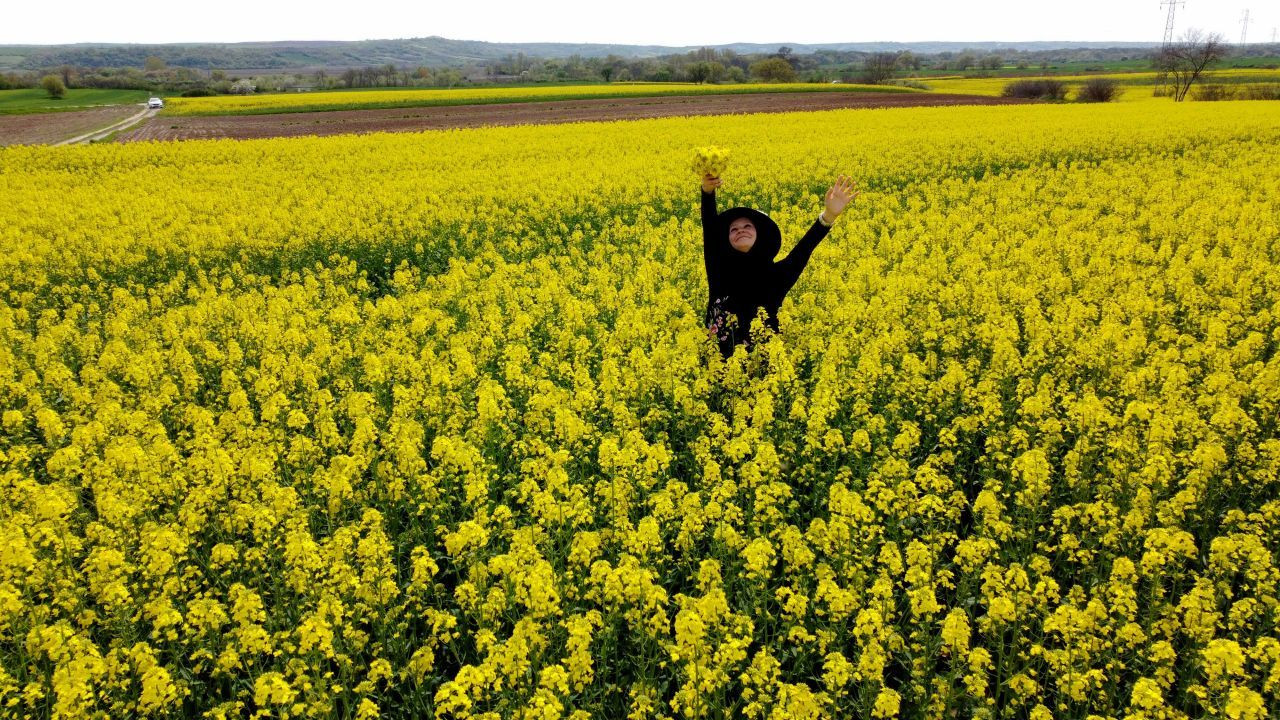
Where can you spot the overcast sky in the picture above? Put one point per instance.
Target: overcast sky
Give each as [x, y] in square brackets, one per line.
[649, 22]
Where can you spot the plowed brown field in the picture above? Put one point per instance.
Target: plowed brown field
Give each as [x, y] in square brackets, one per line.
[52, 127]
[429, 118]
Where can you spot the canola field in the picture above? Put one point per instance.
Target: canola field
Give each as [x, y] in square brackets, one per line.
[270, 103]
[1134, 86]
[426, 425]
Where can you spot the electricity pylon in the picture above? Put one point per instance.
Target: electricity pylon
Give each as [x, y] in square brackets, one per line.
[1168, 23]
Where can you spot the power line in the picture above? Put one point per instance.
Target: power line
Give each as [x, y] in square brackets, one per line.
[1168, 23]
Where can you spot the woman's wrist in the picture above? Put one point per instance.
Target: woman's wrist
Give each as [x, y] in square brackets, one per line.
[822, 218]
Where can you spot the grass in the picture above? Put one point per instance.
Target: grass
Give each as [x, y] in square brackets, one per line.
[109, 138]
[20, 102]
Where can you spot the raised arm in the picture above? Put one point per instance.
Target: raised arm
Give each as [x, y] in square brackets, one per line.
[709, 185]
[790, 267]
[709, 215]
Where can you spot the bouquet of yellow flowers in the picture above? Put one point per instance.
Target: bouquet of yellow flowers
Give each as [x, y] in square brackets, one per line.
[710, 160]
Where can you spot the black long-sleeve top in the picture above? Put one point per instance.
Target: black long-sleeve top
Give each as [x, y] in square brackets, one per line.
[737, 285]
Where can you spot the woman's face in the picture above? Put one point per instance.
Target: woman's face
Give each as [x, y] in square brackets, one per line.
[742, 234]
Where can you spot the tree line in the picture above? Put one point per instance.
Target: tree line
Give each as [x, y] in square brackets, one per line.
[704, 65]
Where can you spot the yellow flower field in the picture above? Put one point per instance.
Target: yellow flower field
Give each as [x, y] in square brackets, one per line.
[1134, 86]
[425, 425]
[366, 99]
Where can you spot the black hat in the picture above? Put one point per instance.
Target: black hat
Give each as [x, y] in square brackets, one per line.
[768, 237]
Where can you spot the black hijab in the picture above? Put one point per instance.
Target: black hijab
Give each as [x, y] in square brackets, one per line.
[748, 275]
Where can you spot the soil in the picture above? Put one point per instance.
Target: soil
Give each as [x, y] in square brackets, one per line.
[37, 128]
[561, 111]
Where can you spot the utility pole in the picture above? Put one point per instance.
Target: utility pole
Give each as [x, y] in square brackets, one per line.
[1168, 23]
[1244, 26]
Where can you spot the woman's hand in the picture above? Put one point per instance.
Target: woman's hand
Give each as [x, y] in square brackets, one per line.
[710, 183]
[840, 195]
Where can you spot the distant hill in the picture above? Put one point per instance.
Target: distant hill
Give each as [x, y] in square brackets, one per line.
[430, 51]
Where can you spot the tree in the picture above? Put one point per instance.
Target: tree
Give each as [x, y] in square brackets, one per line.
[774, 70]
[612, 67]
[153, 63]
[447, 77]
[704, 54]
[701, 72]
[732, 59]
[1181, 63]
[878, 67]
[53, 85]
[1098, 89]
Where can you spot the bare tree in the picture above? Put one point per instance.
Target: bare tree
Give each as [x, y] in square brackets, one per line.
[878, 67]
[1181, 63]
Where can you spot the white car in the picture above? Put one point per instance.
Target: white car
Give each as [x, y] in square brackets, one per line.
[155, 102]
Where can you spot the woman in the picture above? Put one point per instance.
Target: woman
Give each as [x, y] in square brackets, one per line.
[738, 246]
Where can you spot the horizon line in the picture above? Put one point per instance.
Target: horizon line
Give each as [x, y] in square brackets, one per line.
[1115, 43]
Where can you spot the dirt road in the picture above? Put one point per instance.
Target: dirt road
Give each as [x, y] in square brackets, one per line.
[99, 134]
